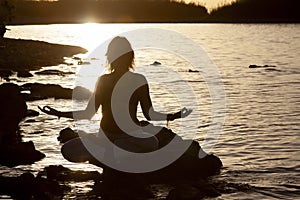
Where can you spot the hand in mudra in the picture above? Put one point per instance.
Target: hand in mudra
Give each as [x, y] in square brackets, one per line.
[50, 111]
[184, 112]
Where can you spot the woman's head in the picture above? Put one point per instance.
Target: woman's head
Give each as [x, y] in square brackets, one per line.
[120, 55]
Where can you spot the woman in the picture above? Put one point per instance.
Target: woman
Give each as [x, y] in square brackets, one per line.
[118, 93]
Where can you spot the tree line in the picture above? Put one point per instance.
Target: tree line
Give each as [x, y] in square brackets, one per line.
[126, 11]
[80, 11]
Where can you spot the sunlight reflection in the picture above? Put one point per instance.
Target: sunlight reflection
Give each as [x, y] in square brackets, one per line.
[92, 35]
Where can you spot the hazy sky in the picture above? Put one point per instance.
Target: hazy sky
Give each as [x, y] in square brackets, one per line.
[211, 3]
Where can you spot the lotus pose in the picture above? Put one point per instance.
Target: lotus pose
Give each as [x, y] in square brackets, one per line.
[118, 93]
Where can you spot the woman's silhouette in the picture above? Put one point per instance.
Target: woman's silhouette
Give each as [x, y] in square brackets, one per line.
[118, 93]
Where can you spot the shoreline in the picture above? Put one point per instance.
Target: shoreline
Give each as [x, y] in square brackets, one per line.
[26, 55]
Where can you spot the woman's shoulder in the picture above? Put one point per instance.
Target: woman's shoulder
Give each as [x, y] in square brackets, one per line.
[138, 75]
[139, 78]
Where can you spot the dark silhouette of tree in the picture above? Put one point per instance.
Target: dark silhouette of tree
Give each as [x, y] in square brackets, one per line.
[78, 11]
[259, 11]
[5, 15]
[6, 9]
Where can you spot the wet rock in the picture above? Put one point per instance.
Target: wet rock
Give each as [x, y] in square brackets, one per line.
[189, 163]
[13, 109]
[81, 93]
[185, 193]
[262, 66]
[155, 63]
[120, 189]
[193, 71]
[60, 173]
[23, 153]
[53, 72]
[24, 74]
[38, 91]
[32, 113]
[27, 186]
[83, 62]
[193, 190]
[66, 135]
[32, 55]
[30, 121]
[5, 73]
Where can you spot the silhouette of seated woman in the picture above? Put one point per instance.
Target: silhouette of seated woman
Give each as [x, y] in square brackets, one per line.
[118, 93]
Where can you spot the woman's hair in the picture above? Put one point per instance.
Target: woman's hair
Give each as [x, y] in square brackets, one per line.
[120, 55]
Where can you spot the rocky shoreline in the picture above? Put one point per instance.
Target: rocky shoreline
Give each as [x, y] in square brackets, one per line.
[26, 55]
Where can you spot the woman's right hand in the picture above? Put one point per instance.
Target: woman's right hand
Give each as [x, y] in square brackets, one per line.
[50, 111]
[184, 112]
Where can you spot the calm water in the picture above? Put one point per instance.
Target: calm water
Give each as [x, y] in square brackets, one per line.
[259, 143]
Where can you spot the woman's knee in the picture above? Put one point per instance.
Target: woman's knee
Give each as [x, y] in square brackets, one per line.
[74, 151]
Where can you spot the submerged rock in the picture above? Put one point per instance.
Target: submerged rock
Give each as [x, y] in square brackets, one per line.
[193, 71]
[262, 66]
[155, 63]
[53, 72]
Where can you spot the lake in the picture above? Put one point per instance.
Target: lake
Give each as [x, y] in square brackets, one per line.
[259, 141]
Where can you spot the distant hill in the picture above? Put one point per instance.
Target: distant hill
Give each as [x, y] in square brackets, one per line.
[154, 11]
[118, 11]
[258, 11]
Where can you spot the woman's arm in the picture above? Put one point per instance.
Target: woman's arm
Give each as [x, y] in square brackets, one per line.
[153, 115]
[88, 113]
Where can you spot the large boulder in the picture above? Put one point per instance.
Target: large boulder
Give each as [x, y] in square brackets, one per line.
[22, 153]
[13, 109]
[39, 91]
[189, 165]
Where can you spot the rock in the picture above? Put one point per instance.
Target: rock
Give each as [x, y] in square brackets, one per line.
[5, 73]
[185, 193]
[259, 66]
[27, 186]
[32, 55]
[30, 121]
[156, 63]
[66, 135]
[83, 62]
[60, 173]
[38, 91]
[189, 164]
[193, 190]
[32, 113]
[13, 109]
[24, 74]
[81, 93]
[23, 153]
[53, 72]
[193, 71]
